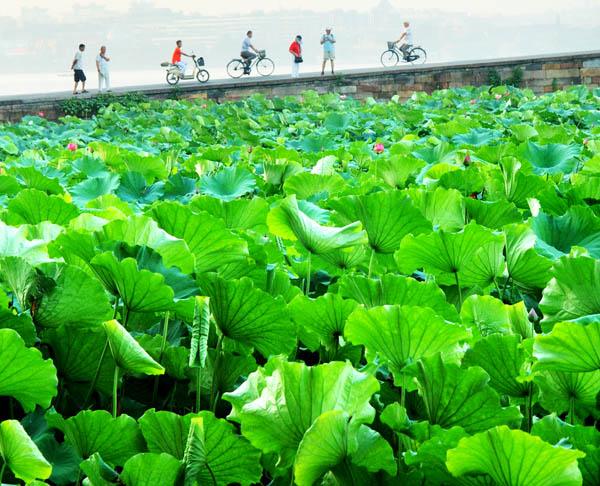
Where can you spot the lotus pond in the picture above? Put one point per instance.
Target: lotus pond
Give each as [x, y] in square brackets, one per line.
[311, 291]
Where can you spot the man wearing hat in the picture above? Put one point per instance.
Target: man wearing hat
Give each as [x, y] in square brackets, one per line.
[328, 41]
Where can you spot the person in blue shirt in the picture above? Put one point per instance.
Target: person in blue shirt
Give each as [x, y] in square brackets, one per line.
[247, 56]
[328, 41]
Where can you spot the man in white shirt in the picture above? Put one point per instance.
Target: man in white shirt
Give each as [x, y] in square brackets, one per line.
[406, 40]
[77, 68]
[103, 72]
[247, 56]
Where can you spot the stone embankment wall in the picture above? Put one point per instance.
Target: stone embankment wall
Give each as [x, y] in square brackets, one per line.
[542, 74]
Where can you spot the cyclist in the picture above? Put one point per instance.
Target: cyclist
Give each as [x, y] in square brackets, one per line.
[407, 40]
[177, 53]
[247, 56]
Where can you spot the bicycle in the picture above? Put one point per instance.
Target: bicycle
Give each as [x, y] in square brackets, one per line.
[392, 56]
[237, 67]
[174, 73]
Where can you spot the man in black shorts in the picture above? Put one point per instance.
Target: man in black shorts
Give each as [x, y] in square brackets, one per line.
[77, 67]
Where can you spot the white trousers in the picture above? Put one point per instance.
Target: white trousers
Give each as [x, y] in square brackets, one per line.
[103, 78]
[182, 65]
[295, 68]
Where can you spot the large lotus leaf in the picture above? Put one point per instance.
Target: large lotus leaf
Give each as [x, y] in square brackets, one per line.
[76, 353]
[397, 169]
[502, 359]
[486, 315]
[133, 189]
[523, 263]
[21, 454]
[151, 167]
[477, 137]
[571, 346]
[94, 187]
[139, 290]
[279, 403]
[14, 243]
[200, 331]
[305, 185]
[278, 171]
[127, 353]
[552, 158]
[321, 321]
[559, 391]
[486, 265]
[250, 316]
[441, 253]
[288, 221]
[515, 458]
[331, 440]
[24, 374]
[241, 214]
[22, 323]
[149, 469]
[466, 181]
[228, 184]
[401, 335]
[231, 458]
[518, 186]
[115, 439]
[77, 299]
[21, 278]
[346, 258]
[34, 179]
[387, 217]
[396, 290]
[463, 397]
[557, 234]
[492, 214]
[109, 207]
[141, 230]
[32, 207]
[75, 247]
[443, 207]
[63, 458]
[211, 243]
[573, 291]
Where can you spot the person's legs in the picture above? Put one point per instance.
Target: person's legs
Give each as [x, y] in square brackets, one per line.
[295, 66]
[83, 80]
[76, 79]
[107, 80]
[100, 81]
[404, 49]
[332, 66]
[323, 67]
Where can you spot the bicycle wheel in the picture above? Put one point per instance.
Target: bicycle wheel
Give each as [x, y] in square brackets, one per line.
[265, 66]
[172, 78]
[235, 68]
[202, 76]
[417, 56]
[390, 58]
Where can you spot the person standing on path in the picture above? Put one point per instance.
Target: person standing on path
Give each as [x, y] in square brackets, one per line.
[406, 40]
[296, 52]
[328, 41]
[103, 72]
[77, 68]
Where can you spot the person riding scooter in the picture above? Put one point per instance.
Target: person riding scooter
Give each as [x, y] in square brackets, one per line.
[177, 53]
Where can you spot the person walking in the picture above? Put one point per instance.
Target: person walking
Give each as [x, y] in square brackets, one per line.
[406, 40]
[328, 41]
[103, 72]
[296, 52]
[77, 67]
[247, 56]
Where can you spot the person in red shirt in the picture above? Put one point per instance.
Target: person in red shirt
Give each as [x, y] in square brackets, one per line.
[296, 52]
[176, 59]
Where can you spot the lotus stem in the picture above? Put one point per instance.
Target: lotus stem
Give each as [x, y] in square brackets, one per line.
[78, 477]
[371, 262]
[212, 475]
[504, 289]
[198, 389]
[403, 392]
[115, 387]
[308, 276]
[217, 363]
[572, 411]
[2, 471]
[460, 301]
[160, 356]
[530, 408]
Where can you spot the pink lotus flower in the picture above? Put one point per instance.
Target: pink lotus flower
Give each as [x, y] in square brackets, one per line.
[72, 146]
[250, 149]
[585, 141]
[473, 102]
[342, 97]
[498, 97]
[203, 106]
[378, 148]
[467, 160]
[41, 113]
[234, 96]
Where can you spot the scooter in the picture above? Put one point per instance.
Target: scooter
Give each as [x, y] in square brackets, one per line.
[174, 73]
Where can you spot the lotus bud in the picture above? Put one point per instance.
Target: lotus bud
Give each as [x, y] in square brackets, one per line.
[72, 146]
[342, 97]
[585, 141]
[250, 149]
[467, 160]
[498, 96]
[473, 102]
[378, 148]
[203, 106]
[533, 317]
[41, 113]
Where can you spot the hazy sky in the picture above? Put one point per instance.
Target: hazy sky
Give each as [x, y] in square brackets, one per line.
[500, 7]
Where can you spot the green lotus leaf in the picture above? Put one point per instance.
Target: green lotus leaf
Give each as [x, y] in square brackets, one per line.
[460, 397]
[486, 314]
[523, 132]
[401, 335]
[14, 243]
[321, 321]
[21, 454]
[22, 323]
[141, 230]
[63, 458]
[486, 265]
[250, 316]
[492, 214]
[228, 184]
[241, 214]
[98, 472]
[75, 247]
[200, 330]
[149, 469]
[387, 217]
[515, 458]
[32, 207]
[331, 440]
[77, 299]
[32, 178]
[94, 187]
[133, 188]
[573, 291]
[115, 439]
[21, 278]
[139, 290]
[346, 258]
[478, 137]
[502, 359]
[211, 243]
[278, 171]
[552, 158]
[305, 185]
[570, 347]
[151, 167]
[579, 226]
[24, 374]
[445, 208]
[279, 403]
[516, 185]
[397, 169]
[561, 391]
[396, 290]
[523, 263]
[127, 353]
[109, 207]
